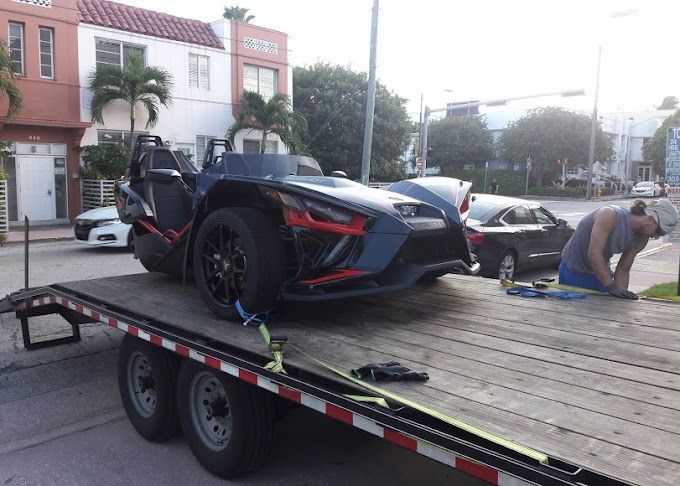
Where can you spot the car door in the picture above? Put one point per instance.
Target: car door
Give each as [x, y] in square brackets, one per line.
[527, 234]
[552, 236]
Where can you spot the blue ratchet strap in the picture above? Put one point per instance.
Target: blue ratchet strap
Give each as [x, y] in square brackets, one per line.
[275, 344]
[524, 292]
[557, 294]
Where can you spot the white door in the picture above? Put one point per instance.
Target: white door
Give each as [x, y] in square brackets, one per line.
[36, 188]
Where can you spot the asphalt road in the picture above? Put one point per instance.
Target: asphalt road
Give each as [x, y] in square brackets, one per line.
[61, 420]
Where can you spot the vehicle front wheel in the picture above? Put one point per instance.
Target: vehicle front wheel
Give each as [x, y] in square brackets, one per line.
[507, 264]
[228, 423]
[238, 256]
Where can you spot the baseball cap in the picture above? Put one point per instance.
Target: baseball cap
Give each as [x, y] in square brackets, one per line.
[664, 213]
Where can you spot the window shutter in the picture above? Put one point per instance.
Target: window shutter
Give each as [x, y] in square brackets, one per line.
[193, 70]
[203, 73]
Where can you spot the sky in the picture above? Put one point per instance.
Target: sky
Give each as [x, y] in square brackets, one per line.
[451, 50]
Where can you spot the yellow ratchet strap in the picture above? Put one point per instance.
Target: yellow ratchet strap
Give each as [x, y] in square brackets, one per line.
[276, 348]
[526, 451]
[368, 399]
[538, 284]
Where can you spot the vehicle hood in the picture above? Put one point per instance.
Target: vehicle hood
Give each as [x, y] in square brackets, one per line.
[353, 192]
[100, 214]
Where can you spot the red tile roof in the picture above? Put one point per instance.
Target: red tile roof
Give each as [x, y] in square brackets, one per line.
[141, 21]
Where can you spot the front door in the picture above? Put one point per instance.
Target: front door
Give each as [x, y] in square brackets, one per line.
[36, 188]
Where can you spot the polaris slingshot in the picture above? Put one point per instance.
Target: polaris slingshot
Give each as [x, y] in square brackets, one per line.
[260, 228]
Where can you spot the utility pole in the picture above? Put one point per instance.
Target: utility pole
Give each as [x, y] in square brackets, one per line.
[526, 190]
[593, 129]
[423, 143]
[370, 102]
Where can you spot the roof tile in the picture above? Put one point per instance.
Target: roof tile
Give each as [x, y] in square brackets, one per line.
[141, 21]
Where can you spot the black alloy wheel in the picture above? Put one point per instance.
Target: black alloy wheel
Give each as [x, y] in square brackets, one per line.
[238, 256]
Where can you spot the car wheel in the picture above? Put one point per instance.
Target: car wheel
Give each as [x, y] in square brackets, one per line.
[131, 241]
[238, 256]
[147, 377]
[228, 423]
[507, 264]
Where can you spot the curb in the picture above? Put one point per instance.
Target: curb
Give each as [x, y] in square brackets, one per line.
[47, 239]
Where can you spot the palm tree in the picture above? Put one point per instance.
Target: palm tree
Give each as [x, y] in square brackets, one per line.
[8, 87]
[237, 13]
[134, 83]
[272, 116]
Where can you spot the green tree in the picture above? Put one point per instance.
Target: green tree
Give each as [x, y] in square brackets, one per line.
[550, 134]
[272, 116]
[8, 86]
[104, 161]
[458, 141]
[237, 13]
[333, 100]
[134, 83]
[654, 151]
[668, 103]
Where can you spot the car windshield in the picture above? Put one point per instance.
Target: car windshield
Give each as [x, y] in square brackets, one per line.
[480, 209]
[644, 184]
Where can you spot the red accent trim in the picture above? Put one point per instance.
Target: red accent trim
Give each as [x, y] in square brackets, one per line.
[339, 413]
[477, 470]
[292, 395]
[338, 275]
[133, 330]
[112, 322]
[183, 350]
[149, 227]
[53, 299]
[305, 220]
[247, 376]
[212, 362]
[79, 309]
[157, 340]
[96, 316]
[64, 302]
[400, 439]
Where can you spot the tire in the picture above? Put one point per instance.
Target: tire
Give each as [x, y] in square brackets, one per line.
[255, 272]
[227, 423]
[507, 265]
[131, 241]
[147, 382]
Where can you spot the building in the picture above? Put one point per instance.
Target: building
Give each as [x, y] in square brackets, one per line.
[44, 169]
[211, 65]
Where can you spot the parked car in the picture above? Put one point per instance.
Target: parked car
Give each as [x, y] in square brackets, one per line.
[255, 229]
[509, 234]
[102, 227]
[646, 189]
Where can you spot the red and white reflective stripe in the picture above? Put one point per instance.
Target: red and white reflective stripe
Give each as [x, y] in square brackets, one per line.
[424, 448]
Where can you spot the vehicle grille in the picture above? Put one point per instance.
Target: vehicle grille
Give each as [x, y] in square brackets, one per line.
[430, 249]
[82, 229]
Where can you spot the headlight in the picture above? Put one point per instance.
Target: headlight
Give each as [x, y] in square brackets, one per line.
[106, 222]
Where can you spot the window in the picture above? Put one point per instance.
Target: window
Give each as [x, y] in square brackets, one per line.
[112, 137]
[201, 145]
[16, 48]
[116, 53]
[518, 215]
[644, 173]
[543, 217]
[253, 147]
[46, 53]
[199, 71]
[261, 80]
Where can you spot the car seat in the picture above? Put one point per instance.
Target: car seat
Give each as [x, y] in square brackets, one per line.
[171, 203]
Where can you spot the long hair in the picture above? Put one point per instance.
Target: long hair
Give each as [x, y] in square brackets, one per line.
[638, 207]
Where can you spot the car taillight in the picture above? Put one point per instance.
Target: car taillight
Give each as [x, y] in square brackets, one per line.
[476, 239]
[465, 208]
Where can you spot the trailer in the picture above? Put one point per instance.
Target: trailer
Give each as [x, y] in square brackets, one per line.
[521, 391]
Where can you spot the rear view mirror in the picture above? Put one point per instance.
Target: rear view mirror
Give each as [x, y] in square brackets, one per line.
[163, 176]
[339, 173]
[561, 222]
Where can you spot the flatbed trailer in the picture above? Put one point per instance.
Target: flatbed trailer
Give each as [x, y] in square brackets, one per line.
[592, 384]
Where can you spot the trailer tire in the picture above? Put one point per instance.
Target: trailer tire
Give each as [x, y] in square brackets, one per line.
[147, 381]
[227, 423]
[238, 255]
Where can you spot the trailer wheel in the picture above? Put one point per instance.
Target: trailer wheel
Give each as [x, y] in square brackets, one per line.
[147, 377]
[238, 255]
[227, 423]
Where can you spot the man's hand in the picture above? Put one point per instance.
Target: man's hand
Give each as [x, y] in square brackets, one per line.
[619, 292]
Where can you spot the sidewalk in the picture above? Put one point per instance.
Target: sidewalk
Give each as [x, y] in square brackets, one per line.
[40, 233]
[655, 267]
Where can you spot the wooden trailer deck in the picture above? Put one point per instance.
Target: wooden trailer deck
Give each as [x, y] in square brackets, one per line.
[593, 382]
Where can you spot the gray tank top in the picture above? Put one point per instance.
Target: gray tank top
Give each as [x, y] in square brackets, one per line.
[575, 253]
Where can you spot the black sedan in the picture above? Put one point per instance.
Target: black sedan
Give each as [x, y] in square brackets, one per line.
[509, 234]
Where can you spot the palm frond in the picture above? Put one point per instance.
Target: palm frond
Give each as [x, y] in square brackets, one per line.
[8, 85]
[102, 98]
[151, 106]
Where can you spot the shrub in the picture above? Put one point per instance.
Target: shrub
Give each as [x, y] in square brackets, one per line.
[3, 238]
[104, 161]
[510, 182]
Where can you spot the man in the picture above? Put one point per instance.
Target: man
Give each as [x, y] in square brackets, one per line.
[611, 230]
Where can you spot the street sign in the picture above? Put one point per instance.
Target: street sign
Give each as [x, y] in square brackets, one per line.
[419, 163]
[673, 156]
[673, 194]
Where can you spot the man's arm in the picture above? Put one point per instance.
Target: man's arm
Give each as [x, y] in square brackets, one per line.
[604, 222]
[622, 274]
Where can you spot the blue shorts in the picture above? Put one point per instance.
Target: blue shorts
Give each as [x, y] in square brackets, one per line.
[583, 280]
